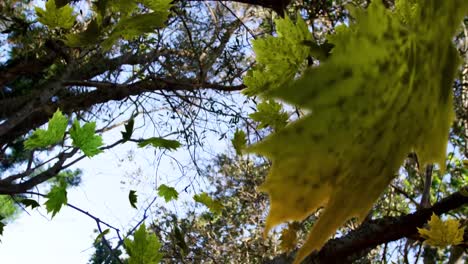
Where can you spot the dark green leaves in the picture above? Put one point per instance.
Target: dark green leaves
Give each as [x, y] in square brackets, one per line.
[214, 206]
[144, 249]
[29, 202]
[127, 134]
[85, 139]
[43, 138]
[132, 197]
[56, 198]
[158, 142]
[168, 193]
[239, 141]
[2, 225]
[54, 17]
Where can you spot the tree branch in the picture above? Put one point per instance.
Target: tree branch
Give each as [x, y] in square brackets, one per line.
[376, 232]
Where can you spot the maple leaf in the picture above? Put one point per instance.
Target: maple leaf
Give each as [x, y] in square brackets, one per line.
[239, 142]
[144, 249]
[377, 97]
[56, 17]
[442, 233]
[269, 114]
[43, 138]
[168, 193]
[85, 138]
[57, 197]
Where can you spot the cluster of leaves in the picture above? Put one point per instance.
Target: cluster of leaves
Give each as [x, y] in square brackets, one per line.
[132, 22]
[84, 138]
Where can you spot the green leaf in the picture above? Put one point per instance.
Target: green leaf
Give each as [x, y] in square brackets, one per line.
[132, 197]
[168, 193]
[101, 235]
[366, 96]
[56, 198]
[134, 26]
[239, 142]
[54, 17]
[29, 202]
[277, 67]
[158, 142]
[214, 206]
[54, 134]
[85, 139]
[144, 249]
[127, 134]
[270, 114]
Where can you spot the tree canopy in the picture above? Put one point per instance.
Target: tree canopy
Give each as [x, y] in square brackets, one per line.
[358, 110]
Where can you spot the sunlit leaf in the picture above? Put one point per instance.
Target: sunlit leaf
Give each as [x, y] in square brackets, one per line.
[442, 233]
[239, 142]
[30, 202]
[85, 138]
[54, 17]
[56, 198]
[54, 134]
[362, 103]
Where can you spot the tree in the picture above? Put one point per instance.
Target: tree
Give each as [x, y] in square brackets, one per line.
[85, 68]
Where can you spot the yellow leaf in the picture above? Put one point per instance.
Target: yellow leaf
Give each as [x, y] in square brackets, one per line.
[289, 237]
[442, 233]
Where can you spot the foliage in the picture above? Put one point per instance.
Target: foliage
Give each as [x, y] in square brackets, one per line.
[270, 114]
[442, 233]
[56, 198]
[85, 139]
[276, 67]
[132, 197]
[55, 131]
[55, 17]
[355, 109]
[168, 193]
[158, 142]
[144, 249]
[214, 206]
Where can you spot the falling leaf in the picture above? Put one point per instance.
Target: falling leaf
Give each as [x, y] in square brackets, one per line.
[132, 197]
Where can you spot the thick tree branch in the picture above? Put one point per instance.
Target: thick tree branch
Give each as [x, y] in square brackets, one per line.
[105, 92]
[376, 232]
